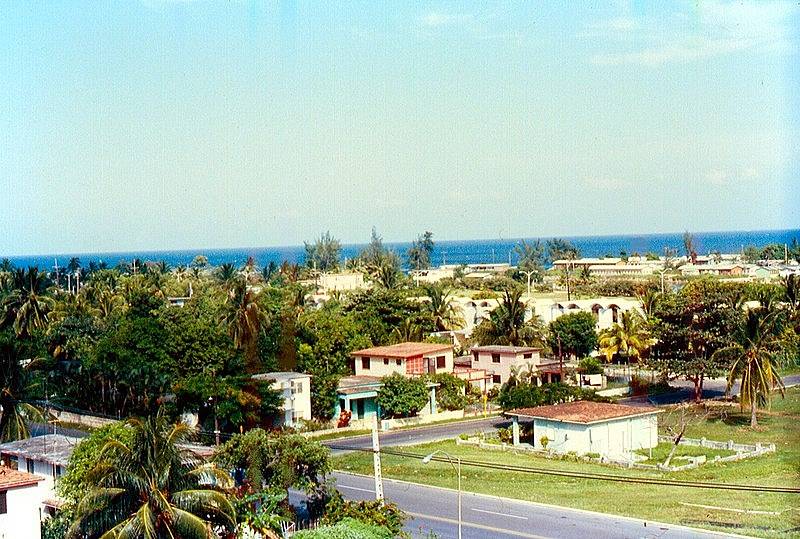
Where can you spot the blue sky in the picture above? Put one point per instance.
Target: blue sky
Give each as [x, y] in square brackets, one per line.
[188, 124]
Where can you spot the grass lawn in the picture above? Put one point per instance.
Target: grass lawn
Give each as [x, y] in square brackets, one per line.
[781, 426]
[660, 452]
[337, 435]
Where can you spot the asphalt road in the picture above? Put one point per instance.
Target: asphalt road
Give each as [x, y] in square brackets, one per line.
[714, 387]
[419, 435]
[435, 509]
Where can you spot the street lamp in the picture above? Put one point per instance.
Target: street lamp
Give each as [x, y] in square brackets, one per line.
[529, 275]
[457, 468]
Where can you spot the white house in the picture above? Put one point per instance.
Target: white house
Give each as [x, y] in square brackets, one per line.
[19, 505]
[406, 358]
[296, 390]
[44, 456]
[590, 427]
[498, 360]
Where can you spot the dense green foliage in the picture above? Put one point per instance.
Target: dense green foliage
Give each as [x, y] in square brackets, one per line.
[347, 528]
[527, 395]
[275, 461]
[450, 391]
[149, 486]
[373, 512]
[573, 334]
[400, 396]
[74, 484]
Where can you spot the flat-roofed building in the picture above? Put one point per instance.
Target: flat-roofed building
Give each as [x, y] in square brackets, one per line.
[498, 360]
[295, 387]
[19, 504]
[407, 358]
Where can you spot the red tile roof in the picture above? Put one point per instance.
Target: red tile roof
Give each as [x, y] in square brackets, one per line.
[404, 350]
[583, 412]
[14, 479]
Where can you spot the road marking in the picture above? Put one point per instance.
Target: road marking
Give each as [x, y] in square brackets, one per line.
[477, 526]
[499, 514]
[356, 488]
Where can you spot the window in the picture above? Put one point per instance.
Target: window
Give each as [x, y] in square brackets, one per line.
[399, 362]
[3, 503]
[527, 356]
[59, 470]
[495, 358]
[297, 388]
[496, 379]
[29, 465]
[365, 363]
[440, 362]
[476, 357]
[386, 361]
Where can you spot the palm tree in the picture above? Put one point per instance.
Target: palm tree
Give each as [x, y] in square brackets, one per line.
[754, 356]
[407, 331]
[792, 293]
[507, 325]
[151, 488]
[26, 307]
[243, 318]
[227, 275]
[441, 310]
[14, 385]
[630, 339]
[649, 301]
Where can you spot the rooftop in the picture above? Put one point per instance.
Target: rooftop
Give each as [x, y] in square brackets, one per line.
[404, 350]
[280, 376]
[358, 384]
[585, 412]
[504, 349]
[14, 478]
[51, 448]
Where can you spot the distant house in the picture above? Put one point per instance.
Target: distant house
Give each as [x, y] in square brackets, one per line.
[589, 427]
[407, 358]
[44, 456]
[498, 360]
[19, 504]
[358, 395]
[296, 390]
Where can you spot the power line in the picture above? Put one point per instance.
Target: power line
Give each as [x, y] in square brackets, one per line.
[590, 476]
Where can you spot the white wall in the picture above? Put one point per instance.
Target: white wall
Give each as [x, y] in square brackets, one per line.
[22, 521]
[378, 367]
[46, 488]
[609, 438]
[296, 399]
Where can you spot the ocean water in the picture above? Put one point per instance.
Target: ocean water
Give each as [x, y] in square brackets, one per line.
[445, 252]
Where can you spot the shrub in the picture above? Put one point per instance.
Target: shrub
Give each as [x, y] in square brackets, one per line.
[402, 397]
[348, 528]
[372, 512]
[505, 435]
[591, 365]
[544, 440]
[450, 393]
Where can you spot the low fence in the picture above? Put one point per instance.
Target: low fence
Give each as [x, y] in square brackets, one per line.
[743, 451]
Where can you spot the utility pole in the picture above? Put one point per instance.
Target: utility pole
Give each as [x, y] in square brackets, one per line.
[376, 460]
[529, 274]
[560, 360]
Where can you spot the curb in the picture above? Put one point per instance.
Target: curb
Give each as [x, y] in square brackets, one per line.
[560, 507]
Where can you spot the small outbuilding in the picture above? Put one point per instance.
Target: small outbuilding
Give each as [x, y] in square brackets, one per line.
[589, 427]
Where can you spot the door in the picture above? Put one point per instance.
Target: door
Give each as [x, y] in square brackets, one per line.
[360, 408]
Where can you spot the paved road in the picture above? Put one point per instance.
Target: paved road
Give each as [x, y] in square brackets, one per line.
[420, 435]
[714, 387]
[435, 509]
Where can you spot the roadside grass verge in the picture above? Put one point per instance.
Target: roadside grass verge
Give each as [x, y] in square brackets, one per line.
[779, 514]
[661, 451]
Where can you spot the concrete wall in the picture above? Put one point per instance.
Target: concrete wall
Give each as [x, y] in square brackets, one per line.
[46, 488]
[22, 520]
[378, 367]
[609, 438]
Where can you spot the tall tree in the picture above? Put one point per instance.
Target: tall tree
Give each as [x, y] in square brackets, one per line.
[243, 317]
[754, 359]
[148, 487]
[532, 258]
[573, 334]
[507, 325]
[629, 339]
[444, 315]
[28, 304]
[421, 251]
[324, 254]
[16, 383]
[690, 246]
[561, 249]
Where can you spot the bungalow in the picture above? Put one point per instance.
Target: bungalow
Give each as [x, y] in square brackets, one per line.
[46, 457]
[589, 427]
[19, 504]
[407, 358]
[295, 388]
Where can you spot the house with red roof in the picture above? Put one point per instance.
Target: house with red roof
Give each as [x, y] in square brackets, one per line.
[19, 504]
[611, 430]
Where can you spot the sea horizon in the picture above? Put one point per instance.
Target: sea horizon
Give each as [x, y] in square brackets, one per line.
[464, 251]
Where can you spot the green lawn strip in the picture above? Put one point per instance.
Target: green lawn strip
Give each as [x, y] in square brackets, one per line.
[653, 502]
[660, 452]
[338, 435]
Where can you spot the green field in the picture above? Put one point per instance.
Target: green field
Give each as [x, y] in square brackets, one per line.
[663, 503]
